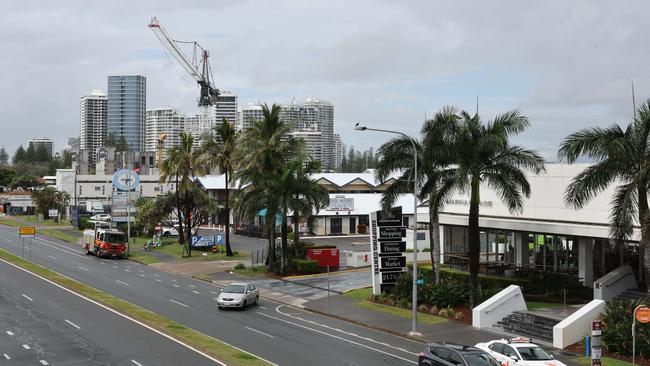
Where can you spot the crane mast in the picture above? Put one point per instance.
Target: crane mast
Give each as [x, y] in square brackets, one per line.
[208, 93]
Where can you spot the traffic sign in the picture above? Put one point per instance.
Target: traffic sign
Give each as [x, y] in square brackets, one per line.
[643, 315]
[27, 231]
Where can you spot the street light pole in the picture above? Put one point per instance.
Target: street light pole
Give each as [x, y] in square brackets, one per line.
[414, 300]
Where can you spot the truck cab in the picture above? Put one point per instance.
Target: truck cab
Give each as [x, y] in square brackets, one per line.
[104, 241]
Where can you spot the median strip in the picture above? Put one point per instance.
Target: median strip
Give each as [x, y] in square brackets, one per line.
[202, 343]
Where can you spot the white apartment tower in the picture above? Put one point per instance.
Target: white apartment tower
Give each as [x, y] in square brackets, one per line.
[248, 115]
[338, 151]
[92, 131]
[159, 122]
[226, 108]
[313, 143]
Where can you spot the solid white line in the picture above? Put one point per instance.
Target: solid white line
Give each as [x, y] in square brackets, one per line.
[337, 337]
[26, 346]
[136, 363]
[137, 321]
[44, 363]
[257, 331]
[28, 298]
[179, 303]
[196, 292]
[83, 268]
[49, 256]
[6, 356]
[71, 323]
[10, 333]
[124, 283]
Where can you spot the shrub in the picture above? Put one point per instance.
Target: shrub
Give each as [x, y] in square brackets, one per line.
[426, 250]
[307, 266]
[447, 313]
[617, 322]
[448, 294]
[240, 266]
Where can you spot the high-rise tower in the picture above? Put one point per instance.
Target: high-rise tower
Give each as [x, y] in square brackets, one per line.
[92, 129]
[127, 102]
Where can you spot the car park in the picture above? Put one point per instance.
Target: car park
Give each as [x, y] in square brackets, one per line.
[453, 354]
[238, 295]
[518, 351]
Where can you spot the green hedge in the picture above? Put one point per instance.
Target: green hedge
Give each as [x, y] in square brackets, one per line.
[617, 322]
[306, 266]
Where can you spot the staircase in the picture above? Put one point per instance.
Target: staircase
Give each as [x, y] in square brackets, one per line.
[528, 324]
[632, 294]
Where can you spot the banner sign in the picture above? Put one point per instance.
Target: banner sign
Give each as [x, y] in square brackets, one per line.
[202, 241]
[53, 212]
[27, 231]
[387, 249]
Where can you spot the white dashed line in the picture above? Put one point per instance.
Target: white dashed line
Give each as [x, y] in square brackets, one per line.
[257, 331]
[124, 283]
[176, 286]
[179, 303]
[82, 268]
[10, 333]
[25, 346]
[141, 271]
[141, 275]
[136, 363]
[262, 307]
[73, 324]
[126, 270]
[114, 267]
[44, 363]
[51, 257]
[216, 293]
[6, 356]
[192, 286]
[28, 298]
[196, 292]
[173, 280]
[157, 275]
[158, 279]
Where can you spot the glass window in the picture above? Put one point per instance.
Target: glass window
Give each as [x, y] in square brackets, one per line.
[508, 351]
[455, 359]
[496, 347]
[234, 289]
[480, 359]
[533, 353]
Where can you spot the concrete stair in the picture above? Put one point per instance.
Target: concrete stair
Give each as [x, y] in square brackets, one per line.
[528, 324]
[632, 294]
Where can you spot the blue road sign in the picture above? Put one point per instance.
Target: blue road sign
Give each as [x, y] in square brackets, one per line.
[220, 238]
[202, 241]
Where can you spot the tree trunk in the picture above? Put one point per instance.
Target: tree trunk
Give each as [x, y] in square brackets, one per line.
[188, 224]
[433, 244]
[283, 249]
[296, 232]
[181, 236]
[644, 247]
[474, 241]
[229, 252]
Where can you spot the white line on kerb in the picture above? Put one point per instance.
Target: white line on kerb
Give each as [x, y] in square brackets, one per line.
[179, 303]
[136, 363]
[44, 363]
[6, 356]
[28, 298]
[10, 333]
[25, 346]
[124, 283]
[262, 333]
[71, 323]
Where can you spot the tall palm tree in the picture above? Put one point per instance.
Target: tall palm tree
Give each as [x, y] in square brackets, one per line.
[218, 152]
[185, 163]
[622, 157]
[482, 154]
[396, 157]
[263, 152]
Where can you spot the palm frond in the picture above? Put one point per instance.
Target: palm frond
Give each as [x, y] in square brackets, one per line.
[624, 209]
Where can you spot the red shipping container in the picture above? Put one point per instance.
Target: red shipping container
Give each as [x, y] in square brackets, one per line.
[325, 257]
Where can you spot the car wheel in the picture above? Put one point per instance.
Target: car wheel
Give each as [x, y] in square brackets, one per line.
[243, 306]
[257, 299]
[167, 234]
[220, 307]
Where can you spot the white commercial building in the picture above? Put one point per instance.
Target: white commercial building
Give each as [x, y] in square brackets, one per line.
[226, 108]
[92, 129]
[338, 151]
[249, 115]
[163, 124]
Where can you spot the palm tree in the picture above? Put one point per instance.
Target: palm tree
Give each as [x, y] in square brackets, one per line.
[61, 200]
[218, 152]
[396, 157]
[184, 163]
[622, 158]
[263, 152]
[481, 153]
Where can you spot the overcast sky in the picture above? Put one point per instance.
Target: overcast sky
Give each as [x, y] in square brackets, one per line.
[566, 65]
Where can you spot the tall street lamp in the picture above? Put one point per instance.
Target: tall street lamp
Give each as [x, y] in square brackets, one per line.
[414, 301]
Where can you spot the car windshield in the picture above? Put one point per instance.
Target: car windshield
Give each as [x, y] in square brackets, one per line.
[533, 353]
[480, 359]
[234, 289]
[115, 238]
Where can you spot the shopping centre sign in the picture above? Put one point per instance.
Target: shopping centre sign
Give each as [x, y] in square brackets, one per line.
[387, 249]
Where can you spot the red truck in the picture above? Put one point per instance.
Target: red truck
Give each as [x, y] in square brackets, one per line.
[104, 241]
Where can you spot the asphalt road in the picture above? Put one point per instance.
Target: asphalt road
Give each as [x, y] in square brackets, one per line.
[278, 333]
[42, 324]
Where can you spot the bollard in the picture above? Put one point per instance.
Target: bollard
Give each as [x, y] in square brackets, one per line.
[587, 346]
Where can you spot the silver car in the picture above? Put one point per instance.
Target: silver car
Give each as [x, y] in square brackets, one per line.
[238, 295]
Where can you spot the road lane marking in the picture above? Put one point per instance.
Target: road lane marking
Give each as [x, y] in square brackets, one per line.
[141, 275]
[82, 268]
[114, 267]
[141, 271]
[179, 303]
[25, 346]
[6, 356]
[10, 333]
[136, 363]
[192, 286]
[137, 321]
[157, 275]
[173, 280]
[158, 279]
[44, 363]
[49, 256]
[124, 283]
[257, 331]
[126, 270]
[28, 298]
[216, 293]
[262, 307]
[176, 286]
[71, 323]
[196, 292]
[337, 337]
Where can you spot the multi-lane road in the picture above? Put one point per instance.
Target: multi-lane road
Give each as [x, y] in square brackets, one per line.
[280, 334]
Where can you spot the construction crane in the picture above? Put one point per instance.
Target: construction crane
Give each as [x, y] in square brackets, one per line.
[198, 67]
[159, 145]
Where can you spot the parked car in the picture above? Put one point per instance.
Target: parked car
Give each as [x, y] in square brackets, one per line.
[453, 354]
[238, 295]
[167, 231]
[518, 351]
[101, 217]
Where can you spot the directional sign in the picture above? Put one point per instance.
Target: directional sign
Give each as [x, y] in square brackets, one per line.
[391, 233]
[392, 262]
[392, 247]
[27, 231]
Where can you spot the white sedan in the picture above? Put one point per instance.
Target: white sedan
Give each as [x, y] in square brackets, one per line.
[518, 352]
[238, 295]
[101, 217]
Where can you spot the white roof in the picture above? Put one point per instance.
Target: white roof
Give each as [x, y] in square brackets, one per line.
[216, 182]
[338, 179]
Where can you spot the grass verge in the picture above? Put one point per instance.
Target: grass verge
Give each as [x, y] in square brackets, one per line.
[257, 271]
[200, 341]
[60, 234]
[536, 305]
[10, 222]
[606, 361]
[172, 248]
[361, 296]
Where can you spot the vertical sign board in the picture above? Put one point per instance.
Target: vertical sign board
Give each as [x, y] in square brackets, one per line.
[387, 249]
[595, 343]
